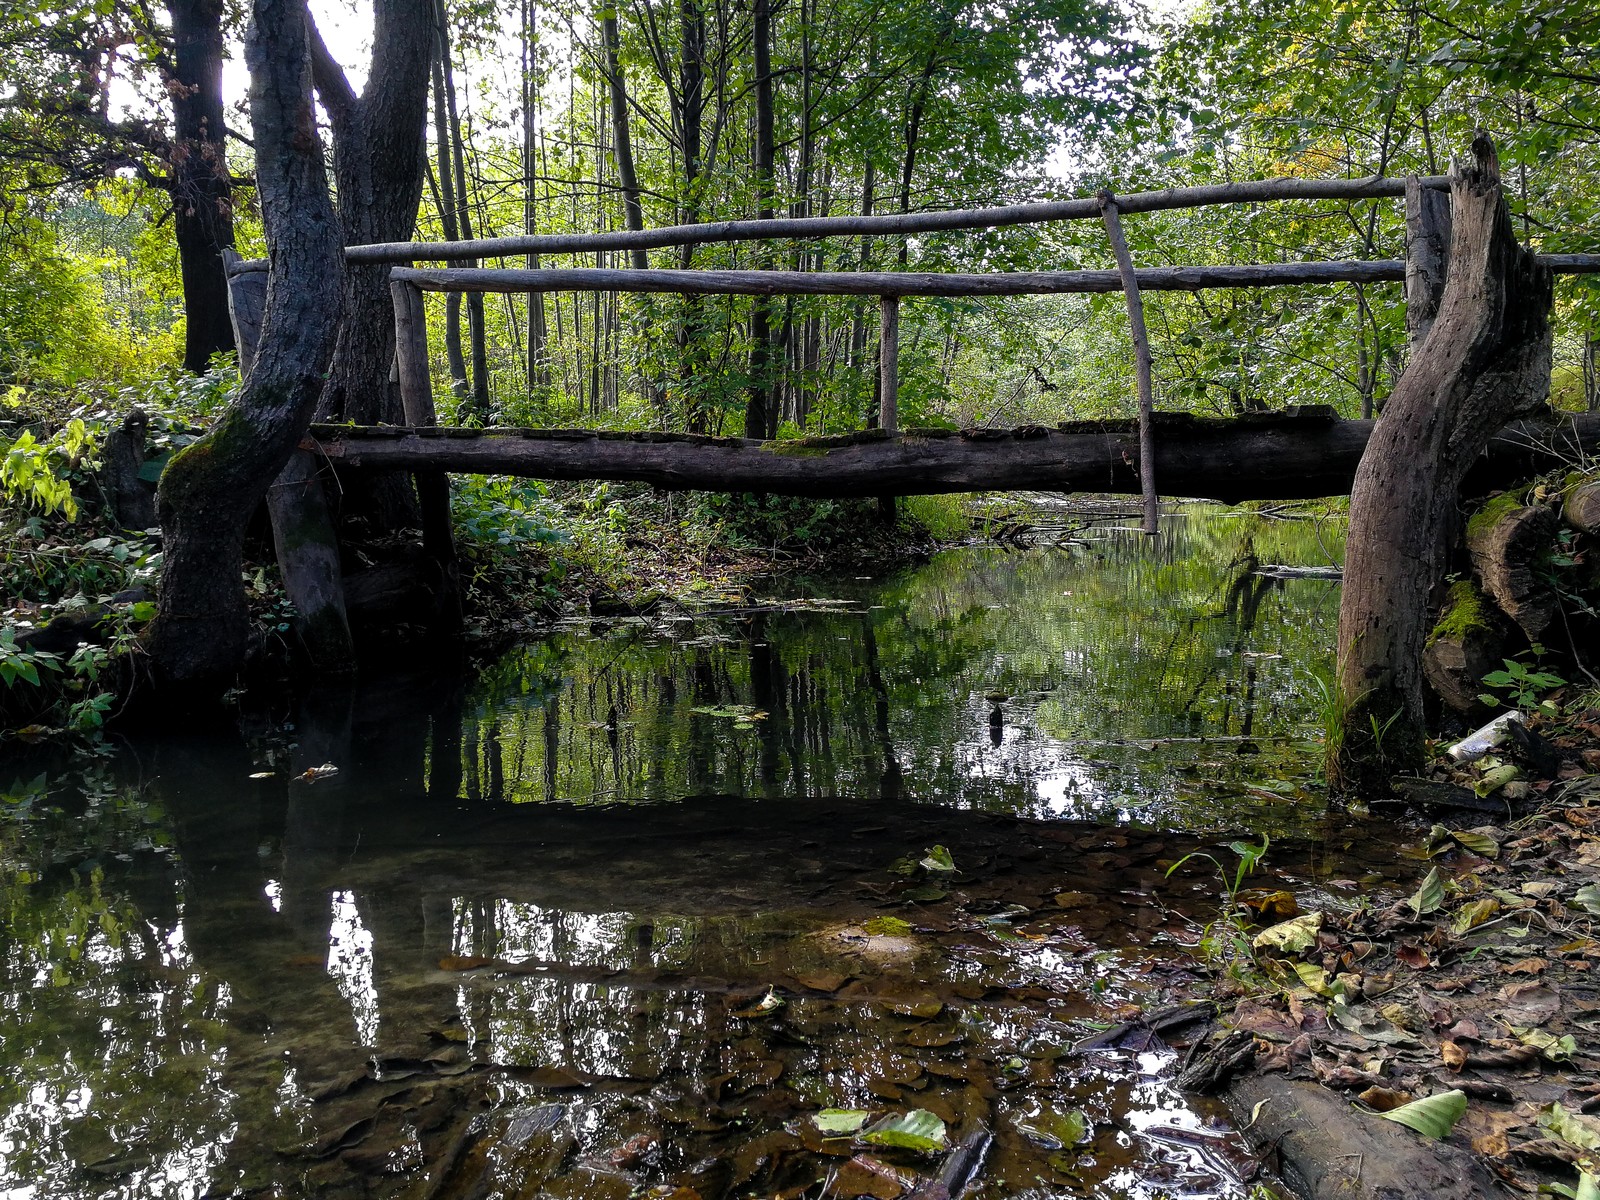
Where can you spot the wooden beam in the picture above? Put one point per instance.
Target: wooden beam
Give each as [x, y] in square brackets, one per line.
[1143, 368]
[889, 364]
[888, 224]
[891, 283]
[1276, 456]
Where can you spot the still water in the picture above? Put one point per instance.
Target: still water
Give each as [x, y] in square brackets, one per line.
[618, 913]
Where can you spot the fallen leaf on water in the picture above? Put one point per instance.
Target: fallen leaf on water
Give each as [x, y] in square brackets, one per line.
[1269, 905]
[313, 774]
[1073, 899]
[918, 1129]
[263, 774]
[836, 1121]
[555, 1078]
[864, 1175]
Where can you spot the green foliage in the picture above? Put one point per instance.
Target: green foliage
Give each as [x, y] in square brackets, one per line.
[37, 473]
[785, 522]
[1226, 939]
[1521, 685]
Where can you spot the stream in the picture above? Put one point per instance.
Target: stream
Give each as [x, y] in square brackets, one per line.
[618, 913]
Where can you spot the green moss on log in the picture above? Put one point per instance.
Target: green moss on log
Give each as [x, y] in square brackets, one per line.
[1466, 609]
[1491, 514]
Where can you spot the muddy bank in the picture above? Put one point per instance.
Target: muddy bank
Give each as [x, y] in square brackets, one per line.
[1477, 986]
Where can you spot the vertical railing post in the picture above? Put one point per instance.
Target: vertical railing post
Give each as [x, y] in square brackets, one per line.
[416, 399]
[1141, 352]
[1427, 256]
[889, 364]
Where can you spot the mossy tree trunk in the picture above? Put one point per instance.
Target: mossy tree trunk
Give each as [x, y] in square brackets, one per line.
[209, 490]
[1485, 360]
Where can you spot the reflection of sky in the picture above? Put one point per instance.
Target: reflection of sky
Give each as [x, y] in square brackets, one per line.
[350, 964]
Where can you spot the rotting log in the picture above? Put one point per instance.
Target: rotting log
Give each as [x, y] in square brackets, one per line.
[891, 283]
[1508, 543]
[1581, 506]
[1326, 1150]
[1485, 361]
[1299, 453]
[1465, 645]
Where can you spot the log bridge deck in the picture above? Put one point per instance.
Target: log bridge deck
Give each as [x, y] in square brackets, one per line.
[1294, 454]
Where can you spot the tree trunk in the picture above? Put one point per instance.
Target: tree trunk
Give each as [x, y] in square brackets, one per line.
[760, 412]
[210, 490]
[1485, 360]
[202, 204]
[378, 152]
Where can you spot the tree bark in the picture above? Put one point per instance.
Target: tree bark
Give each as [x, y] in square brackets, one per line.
[1485, 360]
[378, 152]
[202, 200]
[760, 415]
[210, 489]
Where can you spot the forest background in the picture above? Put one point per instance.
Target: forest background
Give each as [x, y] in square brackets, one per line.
[125, 166]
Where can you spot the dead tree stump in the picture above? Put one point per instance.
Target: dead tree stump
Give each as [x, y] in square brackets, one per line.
[1581, 507]
[1485, 360]
[1466, 644]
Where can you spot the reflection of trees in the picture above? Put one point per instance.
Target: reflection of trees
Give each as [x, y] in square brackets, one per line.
[1124, 638]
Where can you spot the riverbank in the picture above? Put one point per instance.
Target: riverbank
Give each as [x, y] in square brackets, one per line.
[1477, 989]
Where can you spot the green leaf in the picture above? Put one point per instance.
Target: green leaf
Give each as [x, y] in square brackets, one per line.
[837, 1121]
[1291, 936]
[1429, 896]
[1577, 1131]
[938, 859]
[1480, 844]
[1556, 1049]
[1432, 1116]
[1588, 898]
[1054, 1131]
[918, 1129]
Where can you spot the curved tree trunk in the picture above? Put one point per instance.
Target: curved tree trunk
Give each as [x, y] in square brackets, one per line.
[1485, 360]
[210, 489]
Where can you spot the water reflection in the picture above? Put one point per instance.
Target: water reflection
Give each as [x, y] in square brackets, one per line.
[988, 679]
[464, 967]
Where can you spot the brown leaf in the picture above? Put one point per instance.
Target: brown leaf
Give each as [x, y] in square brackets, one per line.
[1454, 1056]
[1384, 1099]
[1527, 966]
[864, 1175]
[1413, 956]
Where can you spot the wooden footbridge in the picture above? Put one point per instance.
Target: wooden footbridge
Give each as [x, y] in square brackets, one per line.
[1298, 453]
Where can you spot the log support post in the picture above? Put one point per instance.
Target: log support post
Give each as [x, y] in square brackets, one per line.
[1427, 256]
[433, 487]
[305, 537]
[889, 364]
[1485, 360]
[1142, 364]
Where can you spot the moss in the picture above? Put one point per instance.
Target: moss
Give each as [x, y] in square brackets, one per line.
[1490, 515]
[1465, 609]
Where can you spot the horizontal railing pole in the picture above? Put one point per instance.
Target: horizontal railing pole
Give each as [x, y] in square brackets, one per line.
[890, 283]
[888, 224]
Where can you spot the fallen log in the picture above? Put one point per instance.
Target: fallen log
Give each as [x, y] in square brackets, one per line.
[1297, 454]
